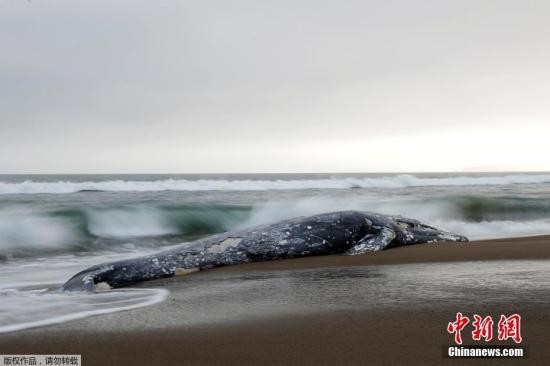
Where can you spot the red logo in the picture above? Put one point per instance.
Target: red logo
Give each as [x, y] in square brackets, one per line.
[483, 328]
[508, 327]
[457, 326]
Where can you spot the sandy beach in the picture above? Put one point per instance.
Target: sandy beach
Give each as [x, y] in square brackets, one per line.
[310, 148]
[378, 332]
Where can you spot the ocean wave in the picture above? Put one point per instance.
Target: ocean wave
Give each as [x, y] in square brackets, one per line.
[37, 308]
[495, 229]
[390, 181]
[23, 230]
[26, 232]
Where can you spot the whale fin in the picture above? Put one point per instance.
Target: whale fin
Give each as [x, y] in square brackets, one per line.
[372, 242]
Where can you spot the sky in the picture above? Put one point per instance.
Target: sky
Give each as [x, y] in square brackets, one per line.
[274, 86]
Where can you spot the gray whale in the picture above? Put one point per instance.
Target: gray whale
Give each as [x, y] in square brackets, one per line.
[347, 232]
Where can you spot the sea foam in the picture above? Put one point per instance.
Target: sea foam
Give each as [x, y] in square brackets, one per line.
[390, 181]
[36, 308]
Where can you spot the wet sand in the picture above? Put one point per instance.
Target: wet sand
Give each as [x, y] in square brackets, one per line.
[404, 333]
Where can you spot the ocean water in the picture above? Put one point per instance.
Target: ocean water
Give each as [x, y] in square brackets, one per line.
[56, 225]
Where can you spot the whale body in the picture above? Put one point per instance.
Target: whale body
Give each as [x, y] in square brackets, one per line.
[346, 232]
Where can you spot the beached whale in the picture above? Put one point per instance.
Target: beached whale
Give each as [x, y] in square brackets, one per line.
[347, 232]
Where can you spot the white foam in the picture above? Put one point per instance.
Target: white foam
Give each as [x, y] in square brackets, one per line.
[390, 181]
[129, 222]
[495, 229]
[22, 229]
[29, 309]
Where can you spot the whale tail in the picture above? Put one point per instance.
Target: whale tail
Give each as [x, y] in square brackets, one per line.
[118, 274]
[92, 279]
[82, 281]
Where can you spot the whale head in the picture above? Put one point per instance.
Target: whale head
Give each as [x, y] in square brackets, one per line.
[415, 232]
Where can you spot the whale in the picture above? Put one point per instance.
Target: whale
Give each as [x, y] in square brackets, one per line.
[343, 232]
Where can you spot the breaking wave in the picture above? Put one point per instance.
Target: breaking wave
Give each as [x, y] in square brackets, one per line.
[390, 181]
[33, 232]
[37, 308]
[24, 232]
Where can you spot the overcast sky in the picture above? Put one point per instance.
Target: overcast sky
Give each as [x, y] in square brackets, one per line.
[273, 86]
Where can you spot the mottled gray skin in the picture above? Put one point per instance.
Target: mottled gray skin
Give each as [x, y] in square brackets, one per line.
[348, 232]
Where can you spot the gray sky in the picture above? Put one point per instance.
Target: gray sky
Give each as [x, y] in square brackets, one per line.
[273, 86]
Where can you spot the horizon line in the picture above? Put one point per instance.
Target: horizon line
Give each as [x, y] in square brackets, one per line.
[302, 173]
